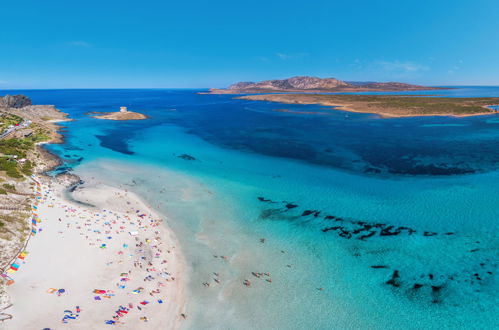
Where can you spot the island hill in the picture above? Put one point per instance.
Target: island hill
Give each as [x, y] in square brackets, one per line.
[306, 84]
[312, 90]
[123, 114]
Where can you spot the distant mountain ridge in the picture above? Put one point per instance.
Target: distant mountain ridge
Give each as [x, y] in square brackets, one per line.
[315, 84]
[298, 82]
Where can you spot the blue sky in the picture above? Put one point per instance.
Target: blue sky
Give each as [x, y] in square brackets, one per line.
[153, 43]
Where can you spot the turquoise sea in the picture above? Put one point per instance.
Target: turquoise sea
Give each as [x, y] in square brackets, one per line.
[361, 222]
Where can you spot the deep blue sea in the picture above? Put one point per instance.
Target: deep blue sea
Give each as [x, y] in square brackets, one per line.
[362, 222]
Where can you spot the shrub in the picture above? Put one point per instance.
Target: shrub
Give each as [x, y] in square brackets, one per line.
[8, 186]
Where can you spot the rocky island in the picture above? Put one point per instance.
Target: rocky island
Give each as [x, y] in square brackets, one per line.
[325, 91]
[306, 84]
[123, 114]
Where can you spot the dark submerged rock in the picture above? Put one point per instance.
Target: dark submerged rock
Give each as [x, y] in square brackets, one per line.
[363, 237]
[393, 281]
[435, 292]
[330, 228]
[186, 157]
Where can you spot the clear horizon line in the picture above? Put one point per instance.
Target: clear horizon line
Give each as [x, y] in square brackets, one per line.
[201, 88]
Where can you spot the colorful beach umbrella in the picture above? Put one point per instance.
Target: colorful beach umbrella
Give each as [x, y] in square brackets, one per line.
[23, 255]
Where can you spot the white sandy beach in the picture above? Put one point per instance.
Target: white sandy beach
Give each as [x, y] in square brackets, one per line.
[120, 246]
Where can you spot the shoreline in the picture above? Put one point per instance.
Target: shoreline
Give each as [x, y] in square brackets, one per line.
[163, 278]
[221, 91]
[155, 274]
[45, 118]
[119, 116]
[348, 106]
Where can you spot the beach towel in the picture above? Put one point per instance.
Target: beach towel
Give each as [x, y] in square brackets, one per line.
[23, 255]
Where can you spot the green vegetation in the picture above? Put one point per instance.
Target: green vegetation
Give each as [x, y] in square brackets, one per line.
[7, 119]
[40, 133]
[15, 220]
[9, 187]
[422, 105]
[18, 148]
[390, 105]
[10, 167]
[27, 168]
[17, 162]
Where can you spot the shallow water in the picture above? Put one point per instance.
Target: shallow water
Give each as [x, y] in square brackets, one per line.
[426, 187]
